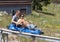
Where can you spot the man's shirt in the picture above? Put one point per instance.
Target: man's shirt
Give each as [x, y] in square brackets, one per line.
[15, 18]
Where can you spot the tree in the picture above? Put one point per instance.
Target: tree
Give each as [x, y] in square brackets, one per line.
[46, 2]
[37, 5]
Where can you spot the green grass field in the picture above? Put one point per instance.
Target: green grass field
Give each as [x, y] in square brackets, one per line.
[48, 20]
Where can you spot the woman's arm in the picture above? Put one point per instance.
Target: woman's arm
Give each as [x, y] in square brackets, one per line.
[19, 22]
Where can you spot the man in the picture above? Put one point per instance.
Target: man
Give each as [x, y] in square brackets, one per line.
[15, 17]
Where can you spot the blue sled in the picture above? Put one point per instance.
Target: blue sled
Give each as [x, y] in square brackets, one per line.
[24, 29]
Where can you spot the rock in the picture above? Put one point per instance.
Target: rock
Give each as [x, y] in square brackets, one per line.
[5, 13]
[1, 14]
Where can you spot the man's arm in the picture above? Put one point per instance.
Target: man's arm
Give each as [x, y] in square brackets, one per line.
[14, 21]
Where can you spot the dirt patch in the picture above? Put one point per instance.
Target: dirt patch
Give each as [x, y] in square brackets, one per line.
[12, 38]
[57, 34]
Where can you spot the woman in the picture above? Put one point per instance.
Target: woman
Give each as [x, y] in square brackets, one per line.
[24, 23]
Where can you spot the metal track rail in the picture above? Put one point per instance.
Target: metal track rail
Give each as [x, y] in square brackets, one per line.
[42, 37]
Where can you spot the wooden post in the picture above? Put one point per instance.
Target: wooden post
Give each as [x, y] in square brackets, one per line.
[5, 37]
[34, 39]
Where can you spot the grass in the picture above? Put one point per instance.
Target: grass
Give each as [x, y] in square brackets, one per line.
[5, 20]
[48, 20]
[24, 39]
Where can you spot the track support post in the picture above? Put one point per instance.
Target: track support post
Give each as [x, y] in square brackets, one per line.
[34, 39]
[1, 37]
[5, 37]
